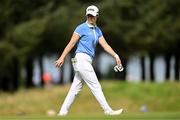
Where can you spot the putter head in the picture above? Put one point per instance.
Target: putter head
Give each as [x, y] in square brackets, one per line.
[118, 68]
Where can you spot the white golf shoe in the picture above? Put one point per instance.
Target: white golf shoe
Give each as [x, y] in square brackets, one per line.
[62, 114]
[114, 112]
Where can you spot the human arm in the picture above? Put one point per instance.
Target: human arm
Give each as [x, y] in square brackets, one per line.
[75, 37]
[109, 50]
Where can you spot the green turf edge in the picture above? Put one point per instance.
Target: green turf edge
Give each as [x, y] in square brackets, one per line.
[131, 116]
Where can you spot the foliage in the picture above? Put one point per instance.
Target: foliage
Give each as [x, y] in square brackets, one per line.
[129, 26]
[39, 27]
[7, 52]
[141, 26]
[27, 36]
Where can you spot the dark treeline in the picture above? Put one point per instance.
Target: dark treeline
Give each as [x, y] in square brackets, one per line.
[31, 28]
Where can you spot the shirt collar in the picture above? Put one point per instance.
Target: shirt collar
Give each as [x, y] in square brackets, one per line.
[90, 25]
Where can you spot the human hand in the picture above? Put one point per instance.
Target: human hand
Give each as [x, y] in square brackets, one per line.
[118, 68]
[58, 63]
[118, 61]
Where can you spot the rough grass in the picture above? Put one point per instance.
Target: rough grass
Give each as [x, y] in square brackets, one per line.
[162, 101]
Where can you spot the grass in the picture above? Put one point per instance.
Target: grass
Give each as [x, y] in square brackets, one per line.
[162, 102]
[146, 116]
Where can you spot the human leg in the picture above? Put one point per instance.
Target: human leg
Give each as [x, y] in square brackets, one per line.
[74, 90]
[90, 78]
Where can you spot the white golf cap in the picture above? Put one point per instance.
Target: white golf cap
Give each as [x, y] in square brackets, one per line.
[92, 10]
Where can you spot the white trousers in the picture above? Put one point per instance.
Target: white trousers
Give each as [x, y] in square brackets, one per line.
[84, 72]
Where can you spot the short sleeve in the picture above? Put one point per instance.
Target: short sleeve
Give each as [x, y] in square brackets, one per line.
[78, 30]
[100, 33]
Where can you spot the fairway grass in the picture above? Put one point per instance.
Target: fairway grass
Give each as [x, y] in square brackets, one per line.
[162, 102]
[125, 116]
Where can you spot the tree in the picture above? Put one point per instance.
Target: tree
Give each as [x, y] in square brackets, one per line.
[26, 38]
[9, 72]
[14, 16]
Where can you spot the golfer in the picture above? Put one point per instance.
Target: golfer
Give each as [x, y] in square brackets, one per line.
[86, 35]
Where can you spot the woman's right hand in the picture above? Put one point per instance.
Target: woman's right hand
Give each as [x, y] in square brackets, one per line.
[58, 63]
[75, 37]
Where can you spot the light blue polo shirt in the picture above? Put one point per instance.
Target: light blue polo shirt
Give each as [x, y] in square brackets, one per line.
[89, 37]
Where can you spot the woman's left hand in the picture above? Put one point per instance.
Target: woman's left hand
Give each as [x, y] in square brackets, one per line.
[118, 60]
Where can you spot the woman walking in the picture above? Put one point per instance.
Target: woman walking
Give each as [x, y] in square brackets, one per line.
[87, 35]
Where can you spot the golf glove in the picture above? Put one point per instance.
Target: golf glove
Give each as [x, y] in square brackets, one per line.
[118, 68]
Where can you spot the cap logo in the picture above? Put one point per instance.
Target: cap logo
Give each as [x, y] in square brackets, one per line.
[90, 9]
